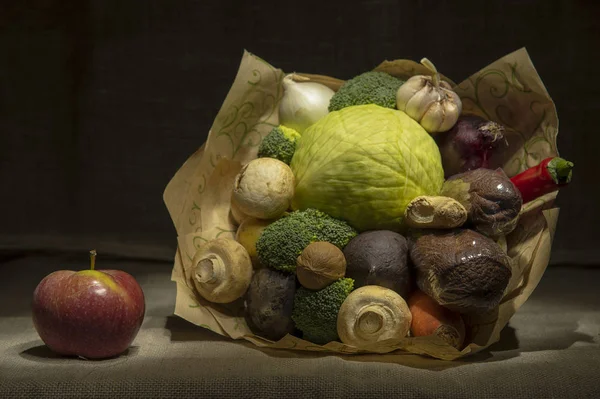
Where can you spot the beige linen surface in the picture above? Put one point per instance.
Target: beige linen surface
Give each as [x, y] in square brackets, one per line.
[551, 348]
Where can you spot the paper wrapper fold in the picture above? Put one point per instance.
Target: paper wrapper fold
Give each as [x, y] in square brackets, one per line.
[509, 91]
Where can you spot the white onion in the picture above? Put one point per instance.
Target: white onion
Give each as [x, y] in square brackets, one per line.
[303, 103]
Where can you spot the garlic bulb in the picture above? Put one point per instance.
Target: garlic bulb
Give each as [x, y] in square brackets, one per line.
[429, 100]
[303, 102]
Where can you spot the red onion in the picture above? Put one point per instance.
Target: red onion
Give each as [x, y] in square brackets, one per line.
[469, 144]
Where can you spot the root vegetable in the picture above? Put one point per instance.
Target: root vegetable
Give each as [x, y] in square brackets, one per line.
[264, 188]
[429, 318]
[469, 144]
[435, 213]
[247, 235]
[461, 269]
[320, 264]
[221, 270]
[492, 201]
[550, 175]
[379, 257]
[269, 303]
[371, 314]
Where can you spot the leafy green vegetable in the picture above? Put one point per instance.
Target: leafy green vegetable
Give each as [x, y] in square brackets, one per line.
[372, 87]
[283, 241]
[280, 144]
[364, 164]
[315, 312]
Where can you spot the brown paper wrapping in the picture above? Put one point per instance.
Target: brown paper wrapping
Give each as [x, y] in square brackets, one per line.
[508, 91]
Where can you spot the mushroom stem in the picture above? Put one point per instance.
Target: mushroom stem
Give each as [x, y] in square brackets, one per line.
[208, 269]
[222, 270]
[435, 212]
[373, 313]
[421, 211]
[370, 321]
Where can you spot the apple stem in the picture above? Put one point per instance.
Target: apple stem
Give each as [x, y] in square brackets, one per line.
[93, 254]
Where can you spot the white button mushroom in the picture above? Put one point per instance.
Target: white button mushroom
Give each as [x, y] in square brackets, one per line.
[221, 270]
[238, 216]
[264, 188]
[371, 314]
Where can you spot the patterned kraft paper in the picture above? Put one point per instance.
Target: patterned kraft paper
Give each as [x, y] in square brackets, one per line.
[508, 91]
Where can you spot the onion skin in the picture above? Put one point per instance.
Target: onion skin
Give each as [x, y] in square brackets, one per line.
[469, 144]
[303, 102]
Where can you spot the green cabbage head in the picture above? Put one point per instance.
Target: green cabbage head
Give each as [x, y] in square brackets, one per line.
[364, 164]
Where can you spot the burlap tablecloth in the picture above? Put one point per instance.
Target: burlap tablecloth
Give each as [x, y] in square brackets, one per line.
[551, 348]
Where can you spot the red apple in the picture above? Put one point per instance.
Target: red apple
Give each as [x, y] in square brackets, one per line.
[91, 313]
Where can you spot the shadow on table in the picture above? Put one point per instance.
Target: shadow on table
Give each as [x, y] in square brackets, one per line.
[506, 348]
[562, 336]
[181, 330]
[34, 351]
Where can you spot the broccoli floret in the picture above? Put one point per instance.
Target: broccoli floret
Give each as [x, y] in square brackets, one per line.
[283, 241]
[315, 312]
[372, 87]
[280, 144]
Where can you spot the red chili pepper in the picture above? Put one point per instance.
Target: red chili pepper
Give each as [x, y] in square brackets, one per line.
[551, 174]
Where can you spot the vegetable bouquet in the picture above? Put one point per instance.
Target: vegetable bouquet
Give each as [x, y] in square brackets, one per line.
[392, 211]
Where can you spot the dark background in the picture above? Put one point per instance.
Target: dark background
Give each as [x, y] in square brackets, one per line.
[101, 101]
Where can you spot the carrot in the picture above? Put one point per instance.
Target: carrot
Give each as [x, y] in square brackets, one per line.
[430, 318]
[551, 174]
